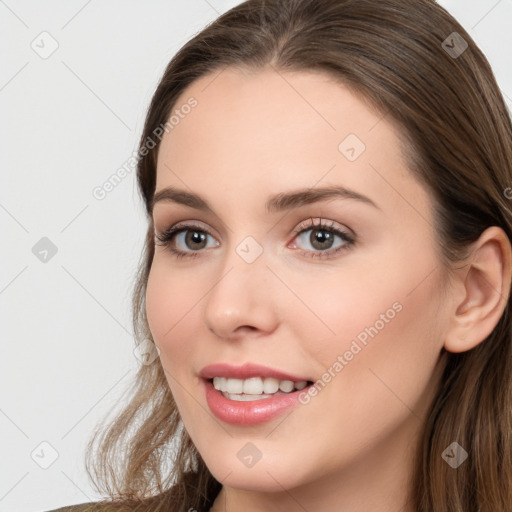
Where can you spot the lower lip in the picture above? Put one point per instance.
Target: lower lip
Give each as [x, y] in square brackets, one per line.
[249, 413]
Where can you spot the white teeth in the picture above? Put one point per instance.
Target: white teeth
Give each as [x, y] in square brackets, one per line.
[234, 385]
[286, 386]
[270, 385]
[256, 386]
[253, 386]
[247, 398]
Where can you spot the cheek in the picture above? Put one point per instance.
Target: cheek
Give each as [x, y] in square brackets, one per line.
[171, 318]
[375, 309]
[387, 333]
[159, 303]
[171, 314]
[399, 346]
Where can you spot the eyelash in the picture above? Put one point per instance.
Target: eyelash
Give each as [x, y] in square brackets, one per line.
[168, 236]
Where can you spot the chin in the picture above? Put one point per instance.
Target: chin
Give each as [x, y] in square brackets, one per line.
[264, 476]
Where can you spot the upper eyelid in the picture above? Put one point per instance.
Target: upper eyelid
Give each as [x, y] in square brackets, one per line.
[309, 223]
[322, 223]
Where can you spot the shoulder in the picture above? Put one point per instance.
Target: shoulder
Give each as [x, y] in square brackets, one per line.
[164, 501]
[82, 507]
[97, 506]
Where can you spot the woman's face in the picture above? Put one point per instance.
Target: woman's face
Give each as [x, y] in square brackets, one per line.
[364, 320]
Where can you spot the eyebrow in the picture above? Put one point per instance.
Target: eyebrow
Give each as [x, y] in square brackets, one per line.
[276, 203]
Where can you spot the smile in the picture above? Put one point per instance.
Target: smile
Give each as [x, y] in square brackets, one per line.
[250, 409]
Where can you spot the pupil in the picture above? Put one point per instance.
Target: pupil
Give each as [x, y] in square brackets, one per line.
[196, 237]
[323, 239]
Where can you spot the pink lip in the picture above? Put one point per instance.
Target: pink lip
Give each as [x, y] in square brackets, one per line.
[248, 413]
[255, 411]
[247, 371]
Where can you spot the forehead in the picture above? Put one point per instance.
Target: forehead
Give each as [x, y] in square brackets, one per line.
[253, 107]
[267, 130]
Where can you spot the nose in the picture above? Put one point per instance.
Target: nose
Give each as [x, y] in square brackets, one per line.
[242, 301]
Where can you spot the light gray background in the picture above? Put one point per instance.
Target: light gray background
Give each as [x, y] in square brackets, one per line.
[68, 122]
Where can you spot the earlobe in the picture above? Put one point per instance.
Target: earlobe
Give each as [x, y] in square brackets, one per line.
[484, 285]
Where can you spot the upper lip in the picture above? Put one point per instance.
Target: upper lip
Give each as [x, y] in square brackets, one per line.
[247, 371]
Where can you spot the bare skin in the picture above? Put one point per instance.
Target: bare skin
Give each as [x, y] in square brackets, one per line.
[351, 448]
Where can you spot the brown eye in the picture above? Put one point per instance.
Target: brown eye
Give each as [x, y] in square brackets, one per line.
[322, 238]
[194, 237]
[188, 236]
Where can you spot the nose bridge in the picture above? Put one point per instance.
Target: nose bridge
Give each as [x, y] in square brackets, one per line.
[241, 295]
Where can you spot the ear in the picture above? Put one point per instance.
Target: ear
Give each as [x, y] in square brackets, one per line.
[482, 290]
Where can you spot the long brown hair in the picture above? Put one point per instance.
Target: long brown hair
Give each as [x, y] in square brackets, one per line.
[404, 58]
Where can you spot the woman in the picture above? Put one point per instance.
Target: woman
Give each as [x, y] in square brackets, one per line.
[327, 270]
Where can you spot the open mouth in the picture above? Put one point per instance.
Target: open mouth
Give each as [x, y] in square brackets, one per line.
[254, 400]
[256, 389]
